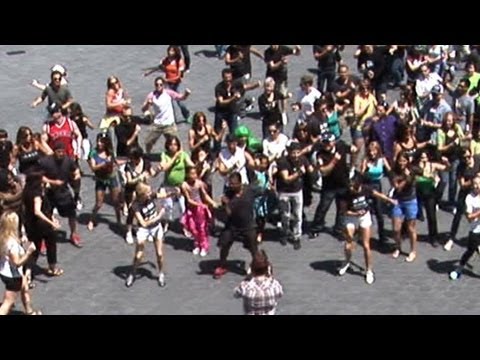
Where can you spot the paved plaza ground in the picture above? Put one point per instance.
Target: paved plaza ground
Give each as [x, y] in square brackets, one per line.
[94, 276]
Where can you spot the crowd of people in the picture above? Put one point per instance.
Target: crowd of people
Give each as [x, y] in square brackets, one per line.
[424, 143]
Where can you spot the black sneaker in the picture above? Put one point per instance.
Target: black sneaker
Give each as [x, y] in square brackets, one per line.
[297, 245]
[283, 241]
[313, 235]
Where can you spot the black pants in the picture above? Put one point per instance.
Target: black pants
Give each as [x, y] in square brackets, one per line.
[36, 235]
[473, 243]
[229, 235]
[462, 195]
[429, 201]
[377, 205]
[325, 80]
[326, 199]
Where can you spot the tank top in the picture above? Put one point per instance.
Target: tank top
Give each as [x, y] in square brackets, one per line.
[409, 152]
[375, 171]
[28, 160]
[61, 132]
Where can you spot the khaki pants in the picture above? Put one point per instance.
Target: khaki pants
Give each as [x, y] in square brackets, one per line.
[156, 131]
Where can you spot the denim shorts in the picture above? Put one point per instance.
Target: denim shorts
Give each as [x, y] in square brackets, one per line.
[406, 209]
[356, 134]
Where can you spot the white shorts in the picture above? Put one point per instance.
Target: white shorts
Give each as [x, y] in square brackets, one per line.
[364, 221]
[150, 234]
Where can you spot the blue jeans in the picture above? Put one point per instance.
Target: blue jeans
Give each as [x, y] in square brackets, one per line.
[449, 176]
[221, 50]
[181, 105]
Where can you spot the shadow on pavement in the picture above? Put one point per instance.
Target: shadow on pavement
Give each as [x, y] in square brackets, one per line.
[445, 267]
[206, 53]
[123, 271]
[332, 266]
[207, 267]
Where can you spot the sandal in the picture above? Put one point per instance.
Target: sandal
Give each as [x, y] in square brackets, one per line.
[55, 272]
[35, 312]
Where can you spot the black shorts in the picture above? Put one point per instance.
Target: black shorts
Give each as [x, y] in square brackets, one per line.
[248, 237]
[12, 284]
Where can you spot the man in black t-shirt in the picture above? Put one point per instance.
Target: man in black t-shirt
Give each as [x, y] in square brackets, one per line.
[276, 58]
[332, 162]
[60, 171]
[292, 170]
[238, 202]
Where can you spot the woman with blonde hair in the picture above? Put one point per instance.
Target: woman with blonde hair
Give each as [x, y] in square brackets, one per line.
[12, 258]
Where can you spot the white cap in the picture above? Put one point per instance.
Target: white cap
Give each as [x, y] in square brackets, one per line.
[60, 68]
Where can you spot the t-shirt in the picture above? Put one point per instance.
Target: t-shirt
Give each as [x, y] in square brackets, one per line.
[147, 209]
[106, 172]
[280, 74]
[7, 268]
[242, 217]
[32, 221]
[124, 131]
[285, 163]
[472, 203]
[356, 201]
[238, 159]
[59, 96]
[176, 175]
[339, 176]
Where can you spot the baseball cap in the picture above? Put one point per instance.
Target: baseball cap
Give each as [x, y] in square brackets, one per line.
[61, 69]
[54, 108]
[437, 89]
[327, 137]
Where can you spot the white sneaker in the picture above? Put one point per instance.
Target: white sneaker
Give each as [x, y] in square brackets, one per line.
[343, 270]
[196, 251]
[203, 253]
[454, 275]
[79, 205]
[448, 246]
[161, 280]
[369, 277]
[129, 238]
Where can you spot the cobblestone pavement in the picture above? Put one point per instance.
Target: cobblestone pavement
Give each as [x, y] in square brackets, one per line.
[94, 276]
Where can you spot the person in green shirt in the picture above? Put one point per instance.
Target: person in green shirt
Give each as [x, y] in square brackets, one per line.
[174, 162]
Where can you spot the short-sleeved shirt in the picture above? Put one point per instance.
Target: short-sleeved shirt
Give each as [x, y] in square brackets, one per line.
[147, 209]
[59, 96]
[280, 74]
[176, 175]
[260, 297]
[285, 163]
[472, 203]
[242, 217]
[339, 176]
[7, 267]
[356, 201]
